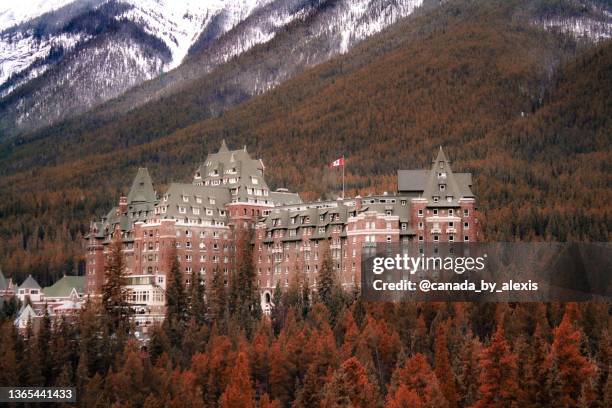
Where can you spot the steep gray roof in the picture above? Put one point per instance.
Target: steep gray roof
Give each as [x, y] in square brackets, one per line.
[443, 188]
[141, 201]
[29, 283]
[242, 175]
[142, 188]
[195, 202]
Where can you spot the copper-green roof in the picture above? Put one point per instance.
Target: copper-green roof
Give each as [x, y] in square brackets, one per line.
[64, 287]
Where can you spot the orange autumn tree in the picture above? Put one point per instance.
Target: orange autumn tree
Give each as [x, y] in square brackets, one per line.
[239, 392]
[350, 386]
[417, 376]
[498, 378]
[403, 397]
[573, 373]
[443, 369]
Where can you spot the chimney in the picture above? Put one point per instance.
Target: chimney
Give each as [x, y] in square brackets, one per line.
[122, 205]
[358, 202]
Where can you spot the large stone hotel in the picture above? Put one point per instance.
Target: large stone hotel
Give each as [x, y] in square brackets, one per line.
[229, 192]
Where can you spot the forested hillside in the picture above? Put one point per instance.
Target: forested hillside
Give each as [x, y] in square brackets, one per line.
[526, 110]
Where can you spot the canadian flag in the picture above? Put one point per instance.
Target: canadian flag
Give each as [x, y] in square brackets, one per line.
[337, 163]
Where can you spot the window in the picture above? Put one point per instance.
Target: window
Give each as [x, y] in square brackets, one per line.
[211, 200]
[435, 211]
[388, 238]
[404, 226]
[466, 212]
[199, 200]
[420, 213]
[466, 238]
[404, 202]
[466, 225]
[451, 212]
[436, 199]
[451, 224]
[436, 238]
[196, 211]
[421, 225]
[420, 238]
[449, 198]
[185, 199]
[451, 238]
[182, 210]
[442, 187]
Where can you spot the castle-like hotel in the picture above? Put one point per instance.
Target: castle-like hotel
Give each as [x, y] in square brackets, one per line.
[229, 192]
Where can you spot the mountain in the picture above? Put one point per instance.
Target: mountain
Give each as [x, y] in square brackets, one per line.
[72, 58]
[525, 108]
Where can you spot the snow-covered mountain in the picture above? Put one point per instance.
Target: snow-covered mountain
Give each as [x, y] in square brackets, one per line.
[60, 58]
[36, 32]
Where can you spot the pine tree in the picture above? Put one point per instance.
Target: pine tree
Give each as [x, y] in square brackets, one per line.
[573, 370]
[417, 376]
[114, 293]
[43, 340]
[350, 386]
[443, 369]
[198, 308]
[218, 296]
[32, 366]
[239, 392]
[498, 378]
[9, 370]
[176, 299]
[326, 278]
[403, 397]
[244, 298]
[176, 302]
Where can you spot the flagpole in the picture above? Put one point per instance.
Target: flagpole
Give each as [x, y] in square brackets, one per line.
[343, 164]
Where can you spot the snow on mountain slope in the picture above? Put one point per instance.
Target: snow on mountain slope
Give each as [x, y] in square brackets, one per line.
[15, 12]
[179, 22]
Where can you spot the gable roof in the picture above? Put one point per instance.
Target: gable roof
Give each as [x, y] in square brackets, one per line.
[440, 182]
[63, 287]
[26, 313]
[29, 283]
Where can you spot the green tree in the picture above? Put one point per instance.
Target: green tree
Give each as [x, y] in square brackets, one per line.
[197, 298]
[114, 293]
